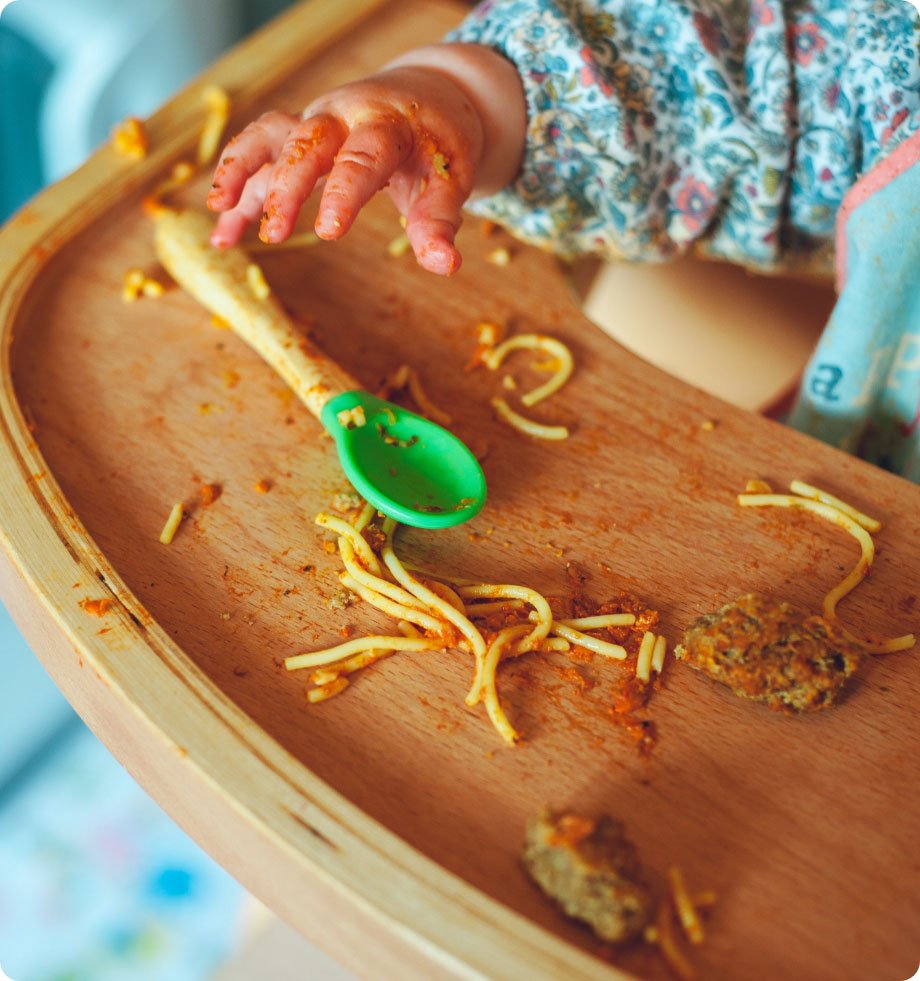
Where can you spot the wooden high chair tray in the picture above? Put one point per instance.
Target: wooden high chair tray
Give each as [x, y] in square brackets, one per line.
[385, 824]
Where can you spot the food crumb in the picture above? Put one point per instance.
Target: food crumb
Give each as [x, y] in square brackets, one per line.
[96, 607]
[257, 283]
[263, 486]
[129, 138]
[441, 165]
[352, 418]
[399, 246]
[499, 257]
[209, 493]
[182, 172]
[132, 284]
[341, 598]
[768, 651]
[345, 501]
[591, 870]
[708, 425]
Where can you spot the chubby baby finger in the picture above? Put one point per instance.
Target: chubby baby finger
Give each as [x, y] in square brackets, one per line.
[307, 155]
[259, 143]
[232, 223]
[368, 158]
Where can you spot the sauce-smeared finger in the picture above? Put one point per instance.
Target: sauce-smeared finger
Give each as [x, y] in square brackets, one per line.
[366, 161]
[307, 154]
[259, 143]
[432, 225]
[231, 224]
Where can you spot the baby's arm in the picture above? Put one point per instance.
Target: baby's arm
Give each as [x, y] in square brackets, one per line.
[436, 126]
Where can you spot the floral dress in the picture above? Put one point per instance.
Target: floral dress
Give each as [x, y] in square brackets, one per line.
[734, 125]
[741, 129]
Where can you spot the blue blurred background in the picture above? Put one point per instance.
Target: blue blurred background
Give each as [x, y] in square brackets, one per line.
[96, 883]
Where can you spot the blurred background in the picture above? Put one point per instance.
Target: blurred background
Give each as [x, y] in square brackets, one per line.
[96, 883]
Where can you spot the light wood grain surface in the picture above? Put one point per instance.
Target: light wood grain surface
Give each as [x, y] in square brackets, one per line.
[385, 824]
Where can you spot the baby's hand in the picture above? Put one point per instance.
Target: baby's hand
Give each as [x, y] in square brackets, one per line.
[410, 129]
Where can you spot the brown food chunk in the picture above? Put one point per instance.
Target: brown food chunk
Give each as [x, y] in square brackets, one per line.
[591, 871]
[769, 652]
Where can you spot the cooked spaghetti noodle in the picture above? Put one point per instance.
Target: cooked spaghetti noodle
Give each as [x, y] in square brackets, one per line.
[859, 525]
[218, 105]
[500, 644]
[562, 357]
[644, 660]
[436, 612]
[806, 490]
[424, 402]
[302, 240]
[683, 906]
[579, 639]
[406, 377]
[330, 655]
[527, 426]
[322, 692]
[598, 622]
[172, 524]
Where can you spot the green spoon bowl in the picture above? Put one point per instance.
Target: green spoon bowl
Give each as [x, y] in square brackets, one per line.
[408, 467]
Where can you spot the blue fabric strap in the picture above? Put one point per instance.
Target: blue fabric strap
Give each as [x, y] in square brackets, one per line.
[861, 390]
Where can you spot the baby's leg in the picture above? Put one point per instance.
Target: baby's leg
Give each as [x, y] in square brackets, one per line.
[714, 325]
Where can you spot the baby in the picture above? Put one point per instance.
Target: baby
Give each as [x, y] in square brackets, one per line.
[749, 130]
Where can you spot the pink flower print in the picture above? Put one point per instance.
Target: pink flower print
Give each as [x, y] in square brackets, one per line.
[591, 74]
[762, 13]
[832, 95]
[896, 121]
[806, 41]
[694, 202]
[827, 174]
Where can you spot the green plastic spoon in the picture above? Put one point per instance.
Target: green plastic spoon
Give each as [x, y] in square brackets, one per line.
[407, 466]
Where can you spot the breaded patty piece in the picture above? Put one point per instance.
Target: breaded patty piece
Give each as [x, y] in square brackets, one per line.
[770, 652]
[591, 871]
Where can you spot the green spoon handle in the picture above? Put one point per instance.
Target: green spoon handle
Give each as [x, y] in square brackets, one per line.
[219, 279]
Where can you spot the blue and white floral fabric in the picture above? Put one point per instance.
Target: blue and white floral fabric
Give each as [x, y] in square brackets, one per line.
[749, 130]
[736, 126]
